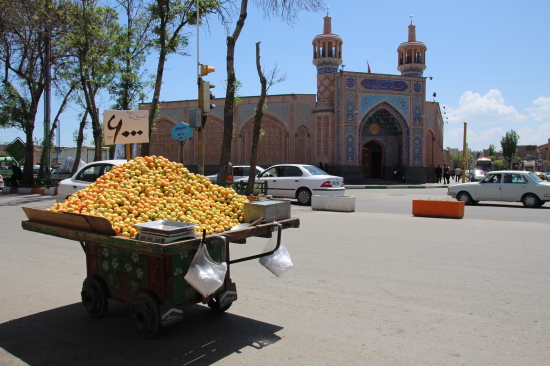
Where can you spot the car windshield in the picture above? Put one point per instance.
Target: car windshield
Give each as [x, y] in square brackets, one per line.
[535, 177]
[314, 170]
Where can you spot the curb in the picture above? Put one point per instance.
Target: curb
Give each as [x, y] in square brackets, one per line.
[23, 190]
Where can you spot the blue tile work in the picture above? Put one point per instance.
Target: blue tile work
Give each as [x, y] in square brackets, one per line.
[174, 113]
[401, 103]
[396, 113]
[327, 70]
[303, 113]
[350, 107]
[350, 148]
[417, 111]
[417, 87]
[350, 82]
[281, 110]
[385, 85]
[417, 146]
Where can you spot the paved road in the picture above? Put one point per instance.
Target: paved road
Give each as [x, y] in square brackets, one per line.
[368, 288]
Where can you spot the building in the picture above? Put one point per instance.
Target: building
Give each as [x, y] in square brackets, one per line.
[364, 126]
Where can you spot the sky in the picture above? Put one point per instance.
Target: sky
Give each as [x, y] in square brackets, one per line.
[487, 61]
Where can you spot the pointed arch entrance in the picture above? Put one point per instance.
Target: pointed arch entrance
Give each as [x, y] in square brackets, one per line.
[373, 160]
[384, 142]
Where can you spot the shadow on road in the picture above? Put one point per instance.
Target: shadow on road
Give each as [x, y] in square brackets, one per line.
[66, 335]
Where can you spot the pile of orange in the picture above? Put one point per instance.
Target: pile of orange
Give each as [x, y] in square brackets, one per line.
[153, 188]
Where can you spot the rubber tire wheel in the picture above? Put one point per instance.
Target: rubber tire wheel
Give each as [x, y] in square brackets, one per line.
[531, 201]
[304, 197]
[95, 296]
[465, 197]
[145, 314]
[214, 305]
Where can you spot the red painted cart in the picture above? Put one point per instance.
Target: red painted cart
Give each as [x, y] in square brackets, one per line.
[145, 275]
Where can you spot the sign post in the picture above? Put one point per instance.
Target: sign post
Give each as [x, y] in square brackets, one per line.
[182, 132]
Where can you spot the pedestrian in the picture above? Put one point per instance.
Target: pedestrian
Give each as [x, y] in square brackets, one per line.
[446, 174]
[17, 175]
[458, 174]
[438, 172]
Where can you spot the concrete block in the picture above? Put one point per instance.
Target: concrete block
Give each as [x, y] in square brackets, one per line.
[333, 203]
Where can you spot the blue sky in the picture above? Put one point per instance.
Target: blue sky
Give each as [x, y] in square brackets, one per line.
[488, 61]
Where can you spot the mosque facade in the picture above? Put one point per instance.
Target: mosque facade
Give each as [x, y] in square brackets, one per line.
[365, 127]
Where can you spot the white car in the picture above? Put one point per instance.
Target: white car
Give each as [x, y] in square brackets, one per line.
[1, 182]
[504, 185]
[83, 177]
[476, 175]
[240, 173]
[300, 181]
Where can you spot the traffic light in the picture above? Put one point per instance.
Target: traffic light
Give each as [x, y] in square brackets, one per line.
[206, 96]
[205, 69]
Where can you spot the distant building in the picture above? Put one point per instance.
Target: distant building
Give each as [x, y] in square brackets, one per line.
[364, 126]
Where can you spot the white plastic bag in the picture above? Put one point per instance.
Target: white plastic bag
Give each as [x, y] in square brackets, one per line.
[204, 274]
[279, 262]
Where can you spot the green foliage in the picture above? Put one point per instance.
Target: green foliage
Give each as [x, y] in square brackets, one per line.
[492, 150]
[509, 144]
[14, 108]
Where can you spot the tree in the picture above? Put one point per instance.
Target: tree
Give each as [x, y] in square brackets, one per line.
[492, 150]
[133, 46]
[265, 83]
[509, 145]
[169, 18]
[26, 28]
[91, 41]
[287, 10]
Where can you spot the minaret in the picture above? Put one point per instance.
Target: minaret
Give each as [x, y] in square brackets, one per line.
[327, 57]
[411, 55]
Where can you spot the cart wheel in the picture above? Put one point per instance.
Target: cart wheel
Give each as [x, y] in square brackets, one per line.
[95, 296]
[215, 306]
[145, 313]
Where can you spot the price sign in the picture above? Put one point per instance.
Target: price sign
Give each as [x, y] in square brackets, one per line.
[126, 127]
[182, 131]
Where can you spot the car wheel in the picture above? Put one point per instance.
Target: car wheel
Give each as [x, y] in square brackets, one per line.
[530, 200]
[304, 196]
[465, 197]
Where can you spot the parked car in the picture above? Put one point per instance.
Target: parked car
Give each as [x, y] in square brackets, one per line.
[476, 175]
[300, 181]
[547, 176]
[84, 176]
[240, 173]
[1, 182]
[504, 185]
[539, 174]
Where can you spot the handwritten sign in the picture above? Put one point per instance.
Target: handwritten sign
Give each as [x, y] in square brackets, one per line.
[126, 127]
[182, 131]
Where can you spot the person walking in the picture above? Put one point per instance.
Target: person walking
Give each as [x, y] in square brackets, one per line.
[438, 172]
[458, 174]
[446, 174]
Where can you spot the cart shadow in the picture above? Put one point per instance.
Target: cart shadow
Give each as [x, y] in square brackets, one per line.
[68, 336]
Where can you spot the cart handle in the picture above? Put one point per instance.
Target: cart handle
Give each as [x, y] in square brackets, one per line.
[279, 232]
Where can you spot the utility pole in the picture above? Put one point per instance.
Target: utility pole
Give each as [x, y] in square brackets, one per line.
[464, 148]
[47, 97]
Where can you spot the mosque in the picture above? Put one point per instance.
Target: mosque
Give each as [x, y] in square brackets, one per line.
[365, 127]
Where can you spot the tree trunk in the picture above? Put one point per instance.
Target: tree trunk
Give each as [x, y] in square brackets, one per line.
[230, 95]
[79, 141]
[257, 125]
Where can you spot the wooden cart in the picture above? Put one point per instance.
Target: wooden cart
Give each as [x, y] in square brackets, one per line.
[145, 275]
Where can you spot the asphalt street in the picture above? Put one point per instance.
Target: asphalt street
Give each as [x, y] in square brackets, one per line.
[367, 288]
